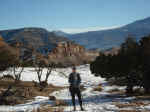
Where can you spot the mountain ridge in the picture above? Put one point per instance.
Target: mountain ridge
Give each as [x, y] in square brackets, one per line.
[105, 39]
[38, 38]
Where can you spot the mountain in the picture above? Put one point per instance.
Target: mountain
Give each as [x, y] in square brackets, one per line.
[36, 41]
[61, 33]
[38, 38]
[106, 39]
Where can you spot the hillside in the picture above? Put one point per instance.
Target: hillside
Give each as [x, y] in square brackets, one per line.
[60, 50]
[106, 39]
[5, 47]
[37, 38]
[7, 54]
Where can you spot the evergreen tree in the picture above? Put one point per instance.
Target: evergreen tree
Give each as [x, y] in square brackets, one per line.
[124, 65]
[145, 61]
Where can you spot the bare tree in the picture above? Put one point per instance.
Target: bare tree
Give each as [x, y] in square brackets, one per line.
[40, 65]
[50, 67]
[17, 69]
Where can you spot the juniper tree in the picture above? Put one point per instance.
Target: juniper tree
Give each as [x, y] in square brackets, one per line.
[124, 65]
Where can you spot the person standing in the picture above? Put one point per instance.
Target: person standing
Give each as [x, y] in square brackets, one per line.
[74, 81]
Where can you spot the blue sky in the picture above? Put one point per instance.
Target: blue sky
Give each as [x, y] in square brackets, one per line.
[71, 15]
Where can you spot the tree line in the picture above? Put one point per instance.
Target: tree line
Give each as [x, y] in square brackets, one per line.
[130, 66]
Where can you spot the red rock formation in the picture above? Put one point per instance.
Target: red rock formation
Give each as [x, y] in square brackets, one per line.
[71, 53]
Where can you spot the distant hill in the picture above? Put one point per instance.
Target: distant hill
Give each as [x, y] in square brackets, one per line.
[29, 42]
[61, 33]
[106, 39]
[38, 38]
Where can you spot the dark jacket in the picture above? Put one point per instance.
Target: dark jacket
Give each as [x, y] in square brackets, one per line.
[74, 79]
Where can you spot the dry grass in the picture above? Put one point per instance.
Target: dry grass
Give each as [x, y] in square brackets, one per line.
[29, 85]
[98, 88]
[131, 104]
[143, 97]
[49, 109]
[60, 103]
[27, 90]
[133, 111]
[82, 88]
[5, 84]
[59, 107]
[116, 91]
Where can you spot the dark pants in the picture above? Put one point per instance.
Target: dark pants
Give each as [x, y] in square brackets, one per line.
[75, 91]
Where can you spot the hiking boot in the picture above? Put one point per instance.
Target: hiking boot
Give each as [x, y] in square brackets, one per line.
[82, 109]
[74, 109]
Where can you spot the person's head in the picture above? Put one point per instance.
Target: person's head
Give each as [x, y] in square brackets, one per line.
[73, 69]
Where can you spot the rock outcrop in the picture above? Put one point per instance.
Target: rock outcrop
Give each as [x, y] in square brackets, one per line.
[69, 53]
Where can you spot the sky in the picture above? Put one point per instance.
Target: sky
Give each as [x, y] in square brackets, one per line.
[71, 16]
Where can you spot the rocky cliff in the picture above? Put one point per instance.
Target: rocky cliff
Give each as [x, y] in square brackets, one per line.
[68, 53]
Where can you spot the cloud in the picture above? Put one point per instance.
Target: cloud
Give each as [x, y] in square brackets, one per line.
[80, 30]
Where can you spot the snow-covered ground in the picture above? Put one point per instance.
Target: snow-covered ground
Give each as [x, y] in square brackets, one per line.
[93, 101]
